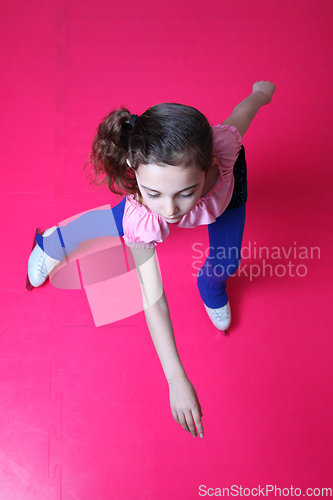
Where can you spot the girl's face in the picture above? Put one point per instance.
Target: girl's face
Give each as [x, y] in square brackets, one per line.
[169, 191]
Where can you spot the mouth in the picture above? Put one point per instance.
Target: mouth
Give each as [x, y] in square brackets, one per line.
[172, 218]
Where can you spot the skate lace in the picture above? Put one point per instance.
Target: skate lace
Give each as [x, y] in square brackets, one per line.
[221, 314]
[46, 264]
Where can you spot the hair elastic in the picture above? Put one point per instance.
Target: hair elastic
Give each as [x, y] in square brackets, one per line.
[132, 120]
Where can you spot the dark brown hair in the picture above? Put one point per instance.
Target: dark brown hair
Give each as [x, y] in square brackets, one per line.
[165, 134]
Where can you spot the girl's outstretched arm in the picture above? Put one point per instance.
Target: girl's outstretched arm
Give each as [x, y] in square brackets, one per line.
[184, 403]
[246, 110]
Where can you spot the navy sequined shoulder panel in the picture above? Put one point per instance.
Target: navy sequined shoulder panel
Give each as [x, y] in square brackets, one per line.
[239, 195]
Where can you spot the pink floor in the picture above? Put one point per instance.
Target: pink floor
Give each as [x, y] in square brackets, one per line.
[84, 410]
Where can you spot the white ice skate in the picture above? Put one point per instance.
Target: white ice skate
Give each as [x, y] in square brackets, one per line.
[40, 265]
[221, 317]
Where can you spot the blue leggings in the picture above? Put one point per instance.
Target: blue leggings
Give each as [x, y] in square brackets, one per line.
[225, 240]
[93, 224]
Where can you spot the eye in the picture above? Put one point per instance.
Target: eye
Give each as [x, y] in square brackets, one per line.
[181, 195]
[187, 195]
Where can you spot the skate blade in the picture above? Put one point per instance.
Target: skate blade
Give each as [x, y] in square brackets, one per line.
[28, 285]
[219, 334]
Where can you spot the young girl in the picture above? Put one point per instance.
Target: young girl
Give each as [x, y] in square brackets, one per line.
[174, 169]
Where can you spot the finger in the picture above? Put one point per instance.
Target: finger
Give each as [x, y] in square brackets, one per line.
[177, 419]
[198, 422]
[183, 422]
[175, 415]
[190, 423]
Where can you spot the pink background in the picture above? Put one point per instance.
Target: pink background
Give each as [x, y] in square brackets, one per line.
[84, 410]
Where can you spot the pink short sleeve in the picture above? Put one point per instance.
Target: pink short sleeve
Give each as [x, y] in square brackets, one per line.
[142, 227]
[227, 142]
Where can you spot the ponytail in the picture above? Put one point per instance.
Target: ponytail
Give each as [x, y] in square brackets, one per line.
[110, 152]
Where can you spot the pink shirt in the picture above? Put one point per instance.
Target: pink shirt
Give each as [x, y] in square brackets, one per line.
[144, 229]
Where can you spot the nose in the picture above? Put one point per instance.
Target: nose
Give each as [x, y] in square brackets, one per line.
[170, 209]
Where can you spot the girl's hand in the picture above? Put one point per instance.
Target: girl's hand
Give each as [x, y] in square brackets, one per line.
[267, 89]
[185, 407]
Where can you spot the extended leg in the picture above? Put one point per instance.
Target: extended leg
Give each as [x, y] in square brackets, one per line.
[93, 224]
[56, 243]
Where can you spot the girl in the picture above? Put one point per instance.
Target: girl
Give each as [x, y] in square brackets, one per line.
[174, 169]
